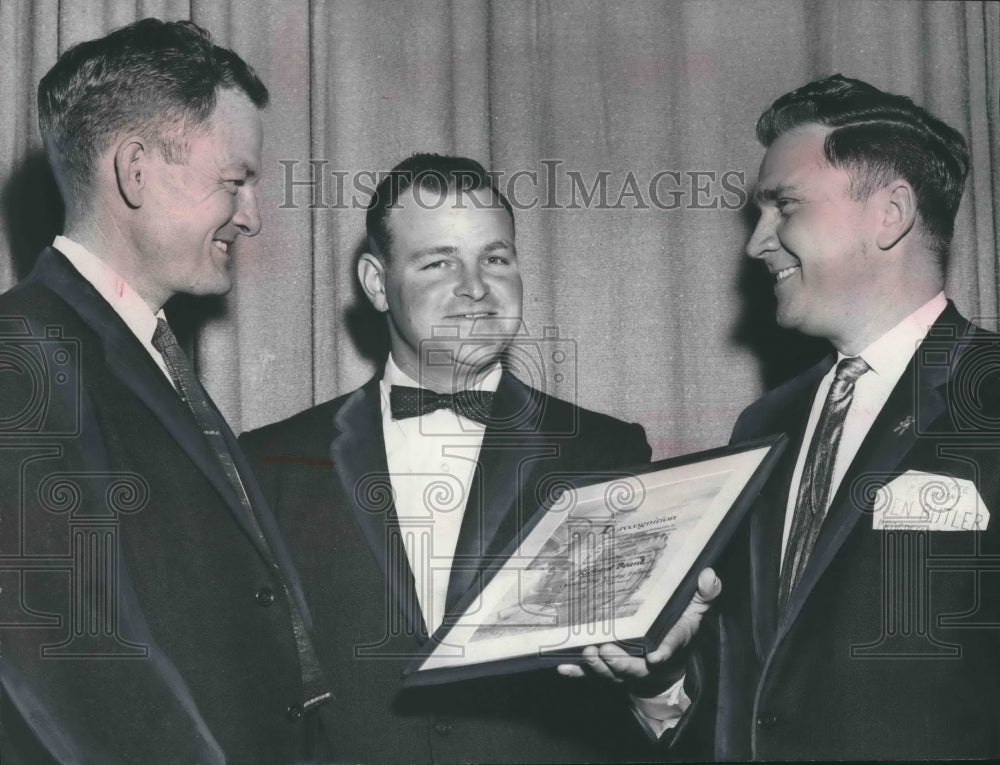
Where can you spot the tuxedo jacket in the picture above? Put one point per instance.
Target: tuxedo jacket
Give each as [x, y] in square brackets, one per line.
[325, 472]
[142, 620]
[890, 645]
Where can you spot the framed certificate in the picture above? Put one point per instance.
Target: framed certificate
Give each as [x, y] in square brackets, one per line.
[605, 560]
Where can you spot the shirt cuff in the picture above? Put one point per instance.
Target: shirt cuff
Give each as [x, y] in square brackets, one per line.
[658, 714]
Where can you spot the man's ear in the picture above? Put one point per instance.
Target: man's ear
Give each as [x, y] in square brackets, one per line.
[898, 213]
[371, 274]
[131, 160]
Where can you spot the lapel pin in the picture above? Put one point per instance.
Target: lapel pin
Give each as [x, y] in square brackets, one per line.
[903, 425]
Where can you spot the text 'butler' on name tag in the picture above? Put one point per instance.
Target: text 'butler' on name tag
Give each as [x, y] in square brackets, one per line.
[931, 502]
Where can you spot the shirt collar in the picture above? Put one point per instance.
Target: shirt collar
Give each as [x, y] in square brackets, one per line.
[890, 354]
[125, 301]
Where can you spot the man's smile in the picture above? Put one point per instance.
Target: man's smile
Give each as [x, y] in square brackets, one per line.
[784, 273]
[475, 315]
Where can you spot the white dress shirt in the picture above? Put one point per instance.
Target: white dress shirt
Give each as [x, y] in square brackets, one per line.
[124, 300]
[888, 358]
[431, 460]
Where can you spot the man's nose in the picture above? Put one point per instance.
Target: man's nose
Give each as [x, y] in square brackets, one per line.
[471, 284]
[247, 217]
[764, 238]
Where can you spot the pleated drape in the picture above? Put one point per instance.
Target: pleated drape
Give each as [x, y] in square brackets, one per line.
[623, 131]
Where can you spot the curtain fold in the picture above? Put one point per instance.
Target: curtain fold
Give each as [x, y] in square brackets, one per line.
[622, 131]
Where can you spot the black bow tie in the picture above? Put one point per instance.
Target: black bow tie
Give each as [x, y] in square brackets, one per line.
[406, 402]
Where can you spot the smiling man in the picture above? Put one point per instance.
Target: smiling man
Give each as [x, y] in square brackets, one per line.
[859, 614]
[150, 609]
[455, 278]
[858, 617]
[394, 497]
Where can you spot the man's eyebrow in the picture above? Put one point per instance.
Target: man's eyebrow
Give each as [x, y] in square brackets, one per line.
[442, 249]
[772, 193]
[241, 169]
[499, 244]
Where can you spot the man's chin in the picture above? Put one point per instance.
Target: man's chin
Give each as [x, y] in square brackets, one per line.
[463, 364]
[217, 287]
[493, 328]
[786, 318]
[477, 358]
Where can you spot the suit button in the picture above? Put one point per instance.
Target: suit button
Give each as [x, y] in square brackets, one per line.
[766, 720]
[294, 712]
[443, 728]
[264, 596]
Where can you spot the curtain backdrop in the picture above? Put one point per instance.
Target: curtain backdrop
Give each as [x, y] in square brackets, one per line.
[623, 132]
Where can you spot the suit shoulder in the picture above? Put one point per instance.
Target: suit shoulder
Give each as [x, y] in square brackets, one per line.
[765, 403]
[586, 426]
[756, 420]
[594, 420]
[973, 363]
[34, 302]
[311, 430]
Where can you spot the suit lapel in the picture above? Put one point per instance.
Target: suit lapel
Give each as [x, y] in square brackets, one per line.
[128, 361]
[501, 496]
[358, 454]
[916, 398]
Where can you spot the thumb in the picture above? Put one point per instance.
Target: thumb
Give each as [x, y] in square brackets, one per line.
[709, 587]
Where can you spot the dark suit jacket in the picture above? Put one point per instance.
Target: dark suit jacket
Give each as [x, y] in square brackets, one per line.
[141, 620]
[325, 472]
[890, 646]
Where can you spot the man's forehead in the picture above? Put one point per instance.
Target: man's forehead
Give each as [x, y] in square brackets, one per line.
[417, 197]
[793, 158]
[430, 212]
[237, 126]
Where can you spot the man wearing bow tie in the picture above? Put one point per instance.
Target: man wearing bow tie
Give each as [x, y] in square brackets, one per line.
[860, 617]
[394, 496]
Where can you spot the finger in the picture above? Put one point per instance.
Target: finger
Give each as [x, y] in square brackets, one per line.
[622, 664]
[570, 670]
[590, 652]
[677, 637]
[596, 664]
[709, 587]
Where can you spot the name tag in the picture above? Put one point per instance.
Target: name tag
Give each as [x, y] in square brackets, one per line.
[930, 502]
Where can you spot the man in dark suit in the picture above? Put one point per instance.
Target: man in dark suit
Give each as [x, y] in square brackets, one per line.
[150, 609]
[859, 614]
[391, 513]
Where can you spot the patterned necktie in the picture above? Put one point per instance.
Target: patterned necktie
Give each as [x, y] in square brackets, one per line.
[204, 413]
[211, 425]
[817, 476]
[407, 402]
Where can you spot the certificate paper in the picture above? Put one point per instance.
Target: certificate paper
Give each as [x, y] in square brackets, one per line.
[609, 561]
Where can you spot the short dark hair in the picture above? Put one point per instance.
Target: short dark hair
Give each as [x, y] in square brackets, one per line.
[878, 136]
[434, 172]
[153, 78]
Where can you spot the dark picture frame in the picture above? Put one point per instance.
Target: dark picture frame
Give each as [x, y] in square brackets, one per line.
[608, 558]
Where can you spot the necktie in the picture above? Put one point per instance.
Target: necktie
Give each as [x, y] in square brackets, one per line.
[817, 474]
[211, 425]
[407, 402]
[204, 413]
